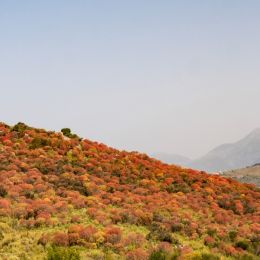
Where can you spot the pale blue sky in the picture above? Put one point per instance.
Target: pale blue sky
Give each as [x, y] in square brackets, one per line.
[154, 76]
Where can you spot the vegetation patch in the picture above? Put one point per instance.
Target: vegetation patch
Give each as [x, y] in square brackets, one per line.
[68, 198]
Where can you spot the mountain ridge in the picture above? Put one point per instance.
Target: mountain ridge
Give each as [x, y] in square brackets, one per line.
[227, 156]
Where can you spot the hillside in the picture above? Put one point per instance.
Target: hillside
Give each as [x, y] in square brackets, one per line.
[62, 197]
[231, 156]
[246, 175]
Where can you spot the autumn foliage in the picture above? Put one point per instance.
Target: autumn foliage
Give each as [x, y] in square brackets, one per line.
[46, 175]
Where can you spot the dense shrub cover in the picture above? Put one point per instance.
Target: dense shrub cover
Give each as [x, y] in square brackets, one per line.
[65, 192]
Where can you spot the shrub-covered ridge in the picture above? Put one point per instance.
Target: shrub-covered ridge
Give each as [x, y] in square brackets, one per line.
[62, 195]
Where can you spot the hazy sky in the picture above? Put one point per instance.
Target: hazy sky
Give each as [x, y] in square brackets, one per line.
[154, 76]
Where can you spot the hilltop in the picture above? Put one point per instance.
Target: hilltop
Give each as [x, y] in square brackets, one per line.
[63, 197]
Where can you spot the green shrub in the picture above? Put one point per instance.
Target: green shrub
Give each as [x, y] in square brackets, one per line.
[158, 255]
[1, 235]
[20, 127]
[67, 132]
[29, 194]
[162, 255]
[3, 191]
[211, 232]
[62, 253]
[177, 227]
[178, 187]
[255, 243]
[159, 232]
[38, 143]
[247, 257]
[206, 256]
[242, 244]
[232, 235]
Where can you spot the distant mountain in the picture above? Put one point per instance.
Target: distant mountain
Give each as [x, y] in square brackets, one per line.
[231, 156]
[172, 158]
[245, 175]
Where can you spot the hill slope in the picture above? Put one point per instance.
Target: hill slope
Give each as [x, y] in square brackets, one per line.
[246, 175]
[231, 156]
[61, 196]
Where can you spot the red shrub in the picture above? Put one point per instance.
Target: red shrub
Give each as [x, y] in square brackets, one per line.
[137, 254]
[113, 235]
[88, 233]
[4, 204]
[44, 239]
[165, 247]
[74, 238]
[134, 239]
[209, 241]
[60, 239]
[75, 219]
[230, 250]
[75, 229]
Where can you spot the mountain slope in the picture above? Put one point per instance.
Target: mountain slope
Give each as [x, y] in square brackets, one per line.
[172, 158]
[249, 174]
[61, 195]
[231, 156]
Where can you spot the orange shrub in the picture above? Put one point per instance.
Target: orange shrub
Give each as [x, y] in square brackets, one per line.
[60, 239]
[113, 235]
